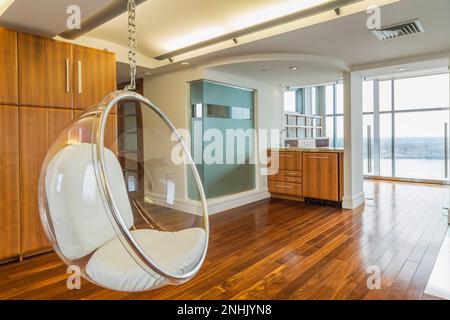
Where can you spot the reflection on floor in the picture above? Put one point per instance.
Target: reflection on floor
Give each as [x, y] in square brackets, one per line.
[280, 249]
[439, 284]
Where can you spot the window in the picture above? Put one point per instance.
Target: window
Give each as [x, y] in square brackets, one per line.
[314, 101]
[290, 104]
[412, 116]
[368, 96]
[403, 129]
[421, 92]
[334, 108]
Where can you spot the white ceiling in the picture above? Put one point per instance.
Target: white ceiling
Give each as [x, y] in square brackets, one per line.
[167, 25]
[348, 39]
[46, 17]
[278, 72]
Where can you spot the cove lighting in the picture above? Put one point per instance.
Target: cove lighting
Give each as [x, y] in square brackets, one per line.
[4, 5]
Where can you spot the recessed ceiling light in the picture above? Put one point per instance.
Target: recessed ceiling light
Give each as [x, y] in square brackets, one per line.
[185, 63]
[147, 73]
[340, 77]
[294, 68]
[401, 69]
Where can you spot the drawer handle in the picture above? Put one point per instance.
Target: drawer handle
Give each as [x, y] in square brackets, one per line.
[283, 186]
[291, 180]
[292, 174]
[318, 158]
[286, 155]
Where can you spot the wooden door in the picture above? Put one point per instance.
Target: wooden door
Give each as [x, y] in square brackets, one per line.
[8, 67]
[9, 183]
[32, 70]
[45, 78]
[94, 76]
[59, 86]
[39, 128]
[33, 147]
[321, 176]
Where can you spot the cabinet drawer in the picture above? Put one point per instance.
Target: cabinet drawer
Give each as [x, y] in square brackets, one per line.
[287, 176]
[287, 188]
[287, 160]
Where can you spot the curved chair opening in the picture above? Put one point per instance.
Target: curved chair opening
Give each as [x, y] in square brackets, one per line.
[116, 205]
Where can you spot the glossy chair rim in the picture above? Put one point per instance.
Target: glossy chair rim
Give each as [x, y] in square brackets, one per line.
[99, 164]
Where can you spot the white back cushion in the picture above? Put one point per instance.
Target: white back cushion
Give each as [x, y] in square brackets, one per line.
[80, 219]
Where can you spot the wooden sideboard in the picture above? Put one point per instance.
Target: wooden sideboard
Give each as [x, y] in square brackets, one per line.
[44, 84]
[307, 175]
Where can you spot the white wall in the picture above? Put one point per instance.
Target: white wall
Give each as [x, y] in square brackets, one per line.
[170, 92]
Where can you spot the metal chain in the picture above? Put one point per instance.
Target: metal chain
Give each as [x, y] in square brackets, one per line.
[132, 43]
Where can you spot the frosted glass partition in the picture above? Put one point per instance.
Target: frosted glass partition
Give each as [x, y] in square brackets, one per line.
[216, 110]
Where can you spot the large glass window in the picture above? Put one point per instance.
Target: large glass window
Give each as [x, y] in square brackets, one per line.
[419, 144]
[404, 123]
[421, 92]
[290, 104]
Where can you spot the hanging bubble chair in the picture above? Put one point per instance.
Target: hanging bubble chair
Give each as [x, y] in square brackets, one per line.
[130, 213]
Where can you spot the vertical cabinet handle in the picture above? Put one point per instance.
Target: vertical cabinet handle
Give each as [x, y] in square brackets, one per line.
[67, 76]
[80, 75]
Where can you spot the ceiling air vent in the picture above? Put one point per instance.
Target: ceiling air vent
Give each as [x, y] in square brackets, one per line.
[399, 30]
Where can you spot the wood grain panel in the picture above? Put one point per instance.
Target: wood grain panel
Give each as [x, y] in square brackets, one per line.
[32, 70]
[98, 76]
[287, 188]
[39, 128]
[321, 176]
[8, 67]
[33, 148]
[287, 176]
[290, 160]
[59, 86]
[9, 183]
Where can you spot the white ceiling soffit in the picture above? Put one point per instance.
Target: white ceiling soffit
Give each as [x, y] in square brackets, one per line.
[284, 72]
[164, 26]
[345, 38]
[46, 18]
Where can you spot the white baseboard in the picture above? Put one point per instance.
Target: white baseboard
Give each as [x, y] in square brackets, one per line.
[236, 200]
[214, 205]
[354, 202]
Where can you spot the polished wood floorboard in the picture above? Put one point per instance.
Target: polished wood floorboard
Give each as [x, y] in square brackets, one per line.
[279, 249]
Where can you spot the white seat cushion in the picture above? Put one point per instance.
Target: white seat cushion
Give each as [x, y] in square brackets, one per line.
[113, 267]
[81, 220]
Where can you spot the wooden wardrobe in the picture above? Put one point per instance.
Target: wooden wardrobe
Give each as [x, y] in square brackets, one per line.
[44, 84]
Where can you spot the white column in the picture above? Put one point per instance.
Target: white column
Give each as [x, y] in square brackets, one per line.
[353, 141]
[449, 123]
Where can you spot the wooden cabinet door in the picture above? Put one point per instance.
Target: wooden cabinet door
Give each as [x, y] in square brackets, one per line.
[39, 128]
[45, 78]
[290, 160]
[32, 70]
[9, 183]
[94, 76]
[8, 67]
[59, 76]
[33, 147]
[321, 176]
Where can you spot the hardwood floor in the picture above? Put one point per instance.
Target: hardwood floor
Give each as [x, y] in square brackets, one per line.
[279, 249]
